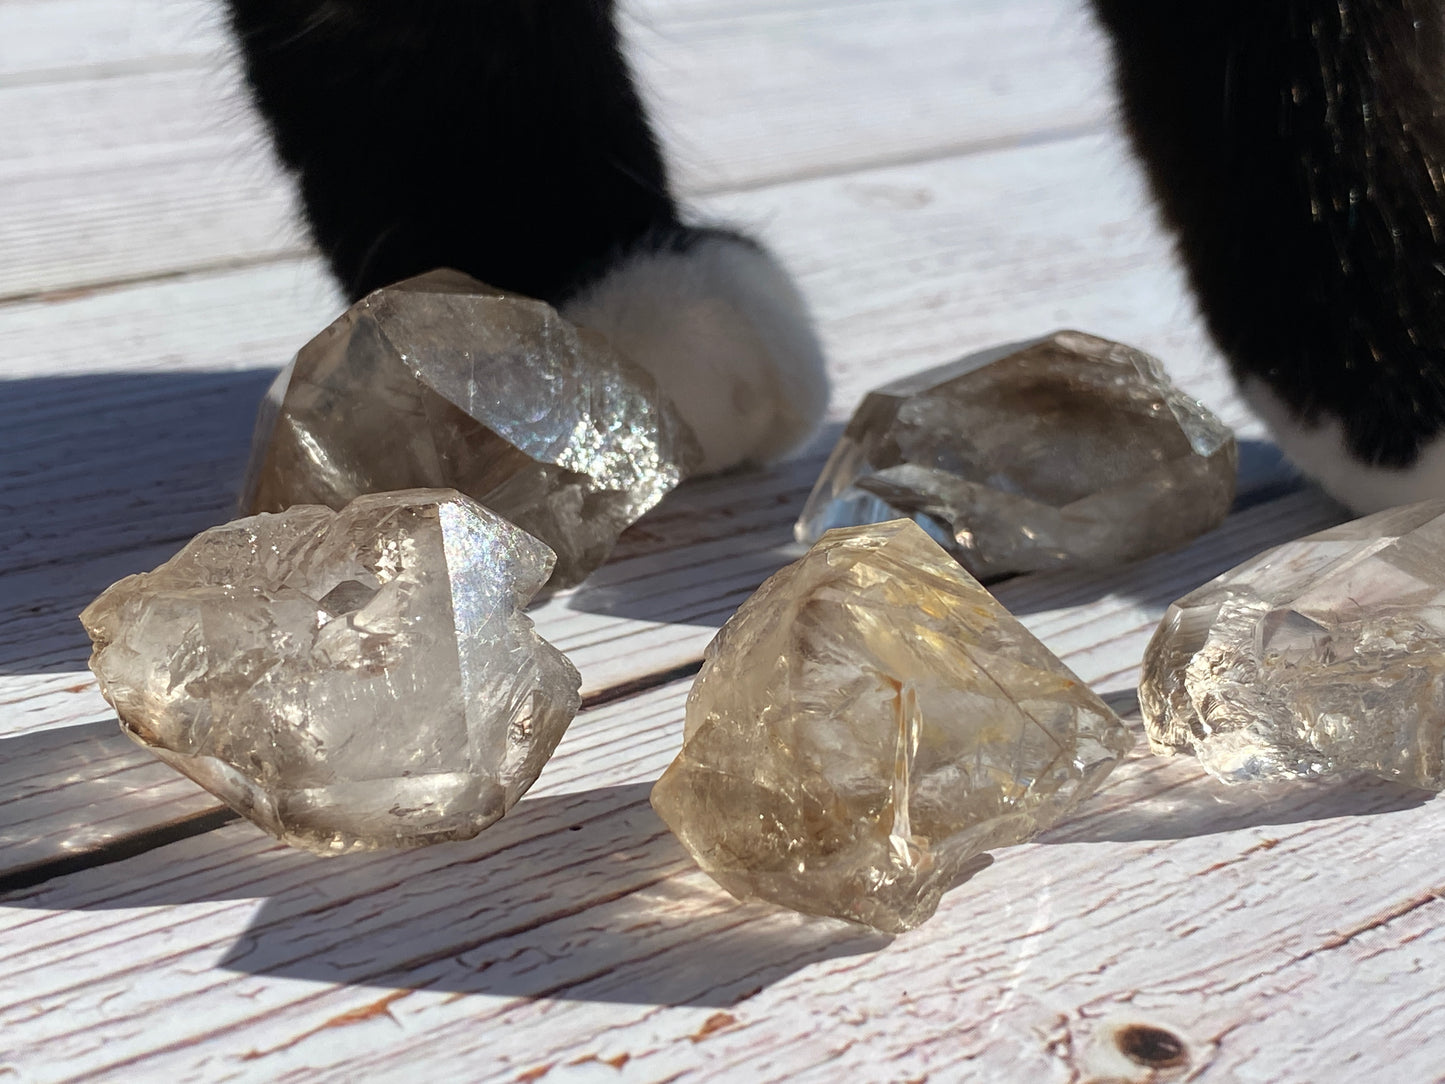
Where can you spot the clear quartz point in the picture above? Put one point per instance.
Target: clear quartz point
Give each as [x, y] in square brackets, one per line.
[440, 381]
[1324, 655]
[867, 725]
[1069, 450]
[347, 680]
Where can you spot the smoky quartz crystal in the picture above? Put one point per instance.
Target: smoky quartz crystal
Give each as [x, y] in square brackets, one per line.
[868, 725]
[1324, 655]
[1069, 450]
[347, 680]
[440, 381]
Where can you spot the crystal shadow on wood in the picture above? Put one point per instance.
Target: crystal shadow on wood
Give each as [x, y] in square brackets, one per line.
[1147, 798]
[593, 870]
[80, 796]
[120, 469]
[717, 537]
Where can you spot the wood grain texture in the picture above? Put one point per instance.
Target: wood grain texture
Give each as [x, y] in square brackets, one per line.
[53, 41]
[85, 787]
[914, 165]
[576, 928]
[116, 169]
[68, 794]
[749, 95]
[144, 420]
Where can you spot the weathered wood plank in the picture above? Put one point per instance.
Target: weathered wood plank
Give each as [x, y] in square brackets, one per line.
[744, 98]
[123, 176]
[1285, 934]
[87, 787]
[141, 443]
[58, 130]
[50, 41]
[143, 220]
[72, 793]
[587, 903]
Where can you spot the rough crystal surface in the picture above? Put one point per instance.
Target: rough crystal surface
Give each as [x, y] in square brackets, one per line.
[867, 725]
[1068, 450]
[1324, 655]
[346, 680]
[442, 381]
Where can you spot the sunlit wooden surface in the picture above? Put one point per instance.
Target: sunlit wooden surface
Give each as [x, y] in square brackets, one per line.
[941, 175]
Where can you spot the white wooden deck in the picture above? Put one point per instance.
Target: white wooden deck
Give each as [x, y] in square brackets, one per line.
[941, 175]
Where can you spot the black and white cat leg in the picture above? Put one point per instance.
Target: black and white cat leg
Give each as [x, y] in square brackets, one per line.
[1296, 150]
[721, 326]
[1321, 453]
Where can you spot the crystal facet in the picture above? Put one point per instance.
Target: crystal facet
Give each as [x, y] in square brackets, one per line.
[346, 680]
[1068, 450]
[442, 381]
[867, 725]
[1324, 655]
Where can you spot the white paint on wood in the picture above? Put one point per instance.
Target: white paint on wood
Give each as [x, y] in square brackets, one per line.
[750, 97]
[136, 403]
[569, 931]
[1284, 934]
[117, 169]
[53, 41]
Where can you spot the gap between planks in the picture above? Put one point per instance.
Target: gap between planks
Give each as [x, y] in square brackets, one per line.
[419, 923]
[685, 567]
[741, 99]
[102, 799]
[982, 249]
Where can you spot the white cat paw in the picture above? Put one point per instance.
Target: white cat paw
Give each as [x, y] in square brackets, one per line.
[1320, 452]
[721, 327]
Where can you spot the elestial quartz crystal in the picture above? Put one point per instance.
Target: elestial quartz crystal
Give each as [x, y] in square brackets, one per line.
[1068, 450]
[346, 680]
[442, 381]
[867, 725]
[1323, 655]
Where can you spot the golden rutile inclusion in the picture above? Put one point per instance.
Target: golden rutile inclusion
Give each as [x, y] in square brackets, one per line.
[1070, 450]
[346, 680]
[867, 725]
[442, 381]
[1324, 655]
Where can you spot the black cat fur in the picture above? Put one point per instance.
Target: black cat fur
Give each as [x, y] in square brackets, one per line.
[1295, 147]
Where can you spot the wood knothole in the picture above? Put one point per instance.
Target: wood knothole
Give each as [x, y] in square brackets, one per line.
[1152, 1046]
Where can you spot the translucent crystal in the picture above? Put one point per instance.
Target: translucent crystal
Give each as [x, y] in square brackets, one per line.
[1323, 655]
[867, 725]
[346, 680]
[442, 381]
[1068, 450]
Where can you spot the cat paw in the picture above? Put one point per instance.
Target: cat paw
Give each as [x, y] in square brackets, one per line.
[724, 331]
[1320, 452]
